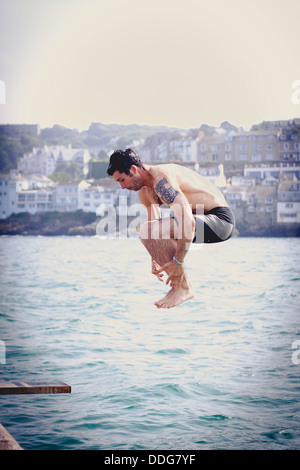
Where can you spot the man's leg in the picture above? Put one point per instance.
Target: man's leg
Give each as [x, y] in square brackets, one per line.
[158, 238]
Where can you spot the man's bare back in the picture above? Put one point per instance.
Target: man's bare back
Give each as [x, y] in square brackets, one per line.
[197, 189]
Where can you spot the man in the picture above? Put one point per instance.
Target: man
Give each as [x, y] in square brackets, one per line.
[168, 239]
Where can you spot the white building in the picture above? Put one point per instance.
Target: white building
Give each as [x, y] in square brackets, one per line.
[267, 170]
[34, 200]
[37, 193]
[8, 190]
[44, 161]
[288, 212]
[213, 174]
[288, 205]
[178, 148]
[96, 199]
[14, 184]
[186, 149]
[67, 195]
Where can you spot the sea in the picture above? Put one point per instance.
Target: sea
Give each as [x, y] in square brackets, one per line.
[219, 372]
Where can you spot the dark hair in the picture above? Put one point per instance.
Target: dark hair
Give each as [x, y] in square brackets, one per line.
[122, 160]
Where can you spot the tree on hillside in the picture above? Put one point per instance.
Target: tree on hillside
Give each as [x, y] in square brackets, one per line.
[66, 171]
[10, 152]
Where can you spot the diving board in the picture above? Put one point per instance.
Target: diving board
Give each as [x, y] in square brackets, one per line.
[19, 388]
[7, 442]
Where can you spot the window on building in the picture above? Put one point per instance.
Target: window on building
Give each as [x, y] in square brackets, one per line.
[256, 147]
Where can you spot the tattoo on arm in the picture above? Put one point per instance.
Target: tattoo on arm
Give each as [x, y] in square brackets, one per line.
[166, 194]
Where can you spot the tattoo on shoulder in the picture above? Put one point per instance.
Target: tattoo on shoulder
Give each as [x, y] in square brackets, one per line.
[166, 194]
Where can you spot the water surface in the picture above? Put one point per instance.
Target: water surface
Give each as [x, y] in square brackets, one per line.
[217, 372]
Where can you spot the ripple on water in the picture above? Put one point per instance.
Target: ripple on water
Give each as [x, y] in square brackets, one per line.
[216, 373]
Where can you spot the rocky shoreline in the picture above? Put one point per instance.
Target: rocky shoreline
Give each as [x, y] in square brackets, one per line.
[50, 224]
[85, 224]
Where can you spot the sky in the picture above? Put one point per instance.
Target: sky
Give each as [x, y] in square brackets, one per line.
[176, 63]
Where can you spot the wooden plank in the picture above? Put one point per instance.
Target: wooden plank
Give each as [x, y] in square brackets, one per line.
[17, 388]
[7, 442]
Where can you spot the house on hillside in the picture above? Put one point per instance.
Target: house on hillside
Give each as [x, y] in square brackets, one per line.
[96, 199]
[15, 197]
[66, 195]
[288, 205]
[43, 161]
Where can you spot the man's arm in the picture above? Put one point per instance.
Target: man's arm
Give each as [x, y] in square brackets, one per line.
[170, 193]
[153, 210]
[153, 213]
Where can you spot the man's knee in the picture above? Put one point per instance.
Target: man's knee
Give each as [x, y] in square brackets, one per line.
[146, 230]
[157, 229]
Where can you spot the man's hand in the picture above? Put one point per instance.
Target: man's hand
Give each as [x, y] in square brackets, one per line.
[175, 273]
[155, 271]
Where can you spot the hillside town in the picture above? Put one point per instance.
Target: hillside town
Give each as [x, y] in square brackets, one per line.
[258, 170]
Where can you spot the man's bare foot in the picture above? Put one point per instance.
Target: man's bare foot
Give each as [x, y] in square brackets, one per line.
[159, 302]
[174, 297]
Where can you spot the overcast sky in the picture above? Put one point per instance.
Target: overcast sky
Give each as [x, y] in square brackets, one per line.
[159, 62]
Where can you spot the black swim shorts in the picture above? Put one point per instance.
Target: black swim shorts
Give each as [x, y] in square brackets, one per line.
[214, 226]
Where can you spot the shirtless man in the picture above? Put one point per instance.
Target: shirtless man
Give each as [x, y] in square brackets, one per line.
[168, 240]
